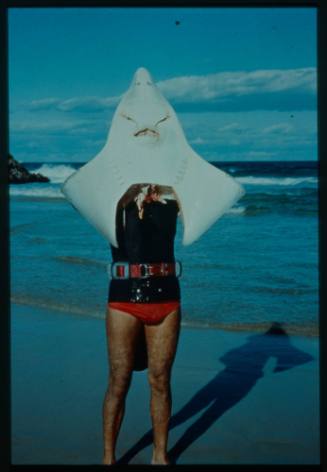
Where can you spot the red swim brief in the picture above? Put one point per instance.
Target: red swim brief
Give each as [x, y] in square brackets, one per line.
[151, 313]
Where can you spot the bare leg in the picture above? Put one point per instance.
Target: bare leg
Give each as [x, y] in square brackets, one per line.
[161, 345]
[122, 332]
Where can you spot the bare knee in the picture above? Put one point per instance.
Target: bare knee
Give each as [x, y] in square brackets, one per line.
[119, 382]
[159, 380]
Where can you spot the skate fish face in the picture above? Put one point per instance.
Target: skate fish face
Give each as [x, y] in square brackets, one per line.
[144, 117]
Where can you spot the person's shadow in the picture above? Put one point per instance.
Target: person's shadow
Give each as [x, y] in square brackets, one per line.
[244, 366]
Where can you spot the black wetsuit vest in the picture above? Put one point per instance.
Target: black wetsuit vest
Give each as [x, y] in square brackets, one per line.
[150, 239]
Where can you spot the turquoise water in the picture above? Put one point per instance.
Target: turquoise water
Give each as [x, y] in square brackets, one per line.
[257, 264]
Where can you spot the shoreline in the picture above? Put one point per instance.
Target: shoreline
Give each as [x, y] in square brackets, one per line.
[307, 332]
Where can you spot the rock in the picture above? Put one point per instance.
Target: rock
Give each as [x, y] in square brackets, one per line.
[18, 174]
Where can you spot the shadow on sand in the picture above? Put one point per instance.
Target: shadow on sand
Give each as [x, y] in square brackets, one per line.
[244, 366]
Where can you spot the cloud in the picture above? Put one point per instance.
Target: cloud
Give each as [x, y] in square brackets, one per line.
[78, 104]
[278, 128]
[20, 126]
[289, 89]
[233, 128]
[275, 89]
[198, 140]
[47, 123]
[43, 104]
[225, 84]
[88, 104]
[252, 134]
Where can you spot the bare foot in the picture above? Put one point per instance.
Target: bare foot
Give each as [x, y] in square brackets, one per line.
[108, 461]
[160, 459]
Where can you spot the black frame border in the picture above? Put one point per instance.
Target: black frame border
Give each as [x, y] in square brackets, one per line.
[5, 332]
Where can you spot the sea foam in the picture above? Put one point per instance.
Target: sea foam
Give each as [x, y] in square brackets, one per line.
[57, 173]
[37, 191]
[288, 181]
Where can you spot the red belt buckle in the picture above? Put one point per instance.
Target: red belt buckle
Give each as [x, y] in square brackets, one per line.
[139, 271]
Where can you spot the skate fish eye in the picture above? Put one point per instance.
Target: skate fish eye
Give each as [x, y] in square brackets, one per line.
[127, 117]
[162, 119]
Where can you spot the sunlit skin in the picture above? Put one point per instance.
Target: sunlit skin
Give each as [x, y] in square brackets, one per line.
[122, 331]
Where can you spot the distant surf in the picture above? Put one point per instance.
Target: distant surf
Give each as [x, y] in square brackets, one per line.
[288, 181]
[267, 176]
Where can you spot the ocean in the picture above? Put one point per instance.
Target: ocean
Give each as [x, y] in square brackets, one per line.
[258, 264]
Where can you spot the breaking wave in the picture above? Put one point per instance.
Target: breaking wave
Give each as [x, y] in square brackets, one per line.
[57, 173]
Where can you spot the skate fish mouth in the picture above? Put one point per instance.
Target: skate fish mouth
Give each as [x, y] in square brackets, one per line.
[147, 132]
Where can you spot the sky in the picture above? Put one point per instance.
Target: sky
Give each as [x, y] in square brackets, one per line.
[241, 80]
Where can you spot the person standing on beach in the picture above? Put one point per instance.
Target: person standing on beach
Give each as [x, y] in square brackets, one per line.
[132, 192]
[147, 299]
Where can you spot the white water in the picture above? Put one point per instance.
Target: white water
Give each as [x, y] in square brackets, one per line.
[288, 181]
[57, 173]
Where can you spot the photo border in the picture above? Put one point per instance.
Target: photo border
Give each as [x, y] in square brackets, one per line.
[5, 331]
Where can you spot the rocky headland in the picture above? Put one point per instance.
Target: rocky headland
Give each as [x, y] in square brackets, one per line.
[18, 174]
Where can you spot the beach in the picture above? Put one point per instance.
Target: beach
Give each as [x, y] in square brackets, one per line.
[240, 394]
[238, 397]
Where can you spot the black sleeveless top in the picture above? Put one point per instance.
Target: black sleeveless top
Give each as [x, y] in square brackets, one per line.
[150, 239]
